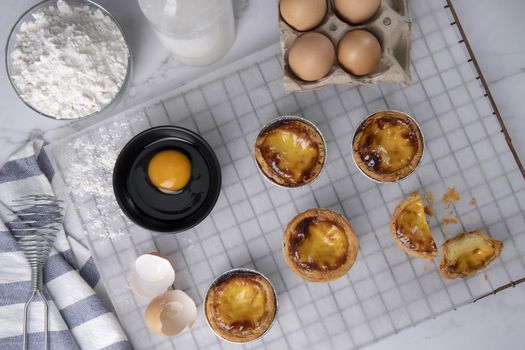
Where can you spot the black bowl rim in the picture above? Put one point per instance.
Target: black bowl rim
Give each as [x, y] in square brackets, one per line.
[211, 203]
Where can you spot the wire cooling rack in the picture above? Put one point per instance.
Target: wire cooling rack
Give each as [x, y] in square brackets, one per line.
[386, 290]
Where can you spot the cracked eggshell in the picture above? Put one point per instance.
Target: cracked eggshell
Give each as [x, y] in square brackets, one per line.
[151, 275]
[170, 313]
[152, 315]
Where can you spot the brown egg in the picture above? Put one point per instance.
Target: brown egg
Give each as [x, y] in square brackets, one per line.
[311, 56]
[357, 11]
[303, 14]
[359, 52]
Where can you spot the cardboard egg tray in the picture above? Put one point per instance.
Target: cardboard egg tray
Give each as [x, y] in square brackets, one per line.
[392, 27]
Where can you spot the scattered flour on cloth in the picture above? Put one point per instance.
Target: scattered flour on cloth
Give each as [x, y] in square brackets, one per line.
[86, 162]
[69, 61]
[89, 159]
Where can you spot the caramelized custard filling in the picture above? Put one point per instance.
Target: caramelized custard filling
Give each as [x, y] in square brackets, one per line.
[412, 228]
[291, 153]
[471, 252]
[387, 145]
[240, 304]
[319, 245]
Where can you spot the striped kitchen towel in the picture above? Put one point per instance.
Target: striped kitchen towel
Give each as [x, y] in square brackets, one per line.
[78, 319]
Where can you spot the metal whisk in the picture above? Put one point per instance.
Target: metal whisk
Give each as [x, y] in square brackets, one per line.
[39, 219]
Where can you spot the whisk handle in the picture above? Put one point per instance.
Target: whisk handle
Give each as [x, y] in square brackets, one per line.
[26, 318]
[46, 320]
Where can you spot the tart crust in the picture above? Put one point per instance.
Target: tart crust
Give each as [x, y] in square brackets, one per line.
[221, 315]
[268, 159]
[475, 250]
[366, 154]
[412, 208]
[312, 271]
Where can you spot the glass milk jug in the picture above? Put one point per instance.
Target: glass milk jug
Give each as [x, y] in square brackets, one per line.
[198, 32]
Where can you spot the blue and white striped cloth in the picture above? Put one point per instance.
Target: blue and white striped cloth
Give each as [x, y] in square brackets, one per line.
[78, 319]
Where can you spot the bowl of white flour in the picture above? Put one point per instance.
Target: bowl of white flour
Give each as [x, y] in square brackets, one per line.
[68, 59]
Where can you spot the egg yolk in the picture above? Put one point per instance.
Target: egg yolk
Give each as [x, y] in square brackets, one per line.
[169, 170]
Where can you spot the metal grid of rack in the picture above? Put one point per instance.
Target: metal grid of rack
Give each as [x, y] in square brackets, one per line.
[386, 290]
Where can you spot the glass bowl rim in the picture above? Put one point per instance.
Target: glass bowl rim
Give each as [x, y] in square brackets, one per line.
[38, 6]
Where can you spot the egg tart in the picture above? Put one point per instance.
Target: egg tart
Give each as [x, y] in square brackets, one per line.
[468, 253]
[240, 306]
[320, 245]
[290, 151]
[410, 229]
[388, 146]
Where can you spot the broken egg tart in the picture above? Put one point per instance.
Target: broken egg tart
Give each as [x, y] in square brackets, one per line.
[410, 229]
[290, 151]
[240, 306]
[388, 146]
[467, 253]
[320, 245]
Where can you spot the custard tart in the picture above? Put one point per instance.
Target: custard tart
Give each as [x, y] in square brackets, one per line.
[290, 151]
[240, 306]
[388, 146]
[468, 253]
[410, 229]
[320, 245]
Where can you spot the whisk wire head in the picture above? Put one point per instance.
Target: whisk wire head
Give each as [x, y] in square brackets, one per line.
[39, 218]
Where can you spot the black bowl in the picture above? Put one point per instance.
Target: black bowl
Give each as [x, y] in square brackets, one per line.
[146, 205]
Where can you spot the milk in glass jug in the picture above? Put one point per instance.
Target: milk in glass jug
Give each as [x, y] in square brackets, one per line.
[198, 32]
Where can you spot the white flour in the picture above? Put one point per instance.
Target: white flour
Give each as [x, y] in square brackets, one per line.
[69, 61]
[89, 173]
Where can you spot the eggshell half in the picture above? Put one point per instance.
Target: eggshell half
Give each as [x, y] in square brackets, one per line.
[151, 275]
[190, 310]
[170, 313]
[152, 315]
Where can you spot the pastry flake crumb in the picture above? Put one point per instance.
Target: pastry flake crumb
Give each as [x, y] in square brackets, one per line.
[430, 197]
[449, 220]
[429, 208]
[427, 267]
[451, 196]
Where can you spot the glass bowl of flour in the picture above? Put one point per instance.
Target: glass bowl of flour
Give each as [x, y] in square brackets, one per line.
[68, 59]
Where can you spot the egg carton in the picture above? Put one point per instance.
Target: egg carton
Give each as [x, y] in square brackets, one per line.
[392, 27]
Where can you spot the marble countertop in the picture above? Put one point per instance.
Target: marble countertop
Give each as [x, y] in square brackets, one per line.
[495, 32]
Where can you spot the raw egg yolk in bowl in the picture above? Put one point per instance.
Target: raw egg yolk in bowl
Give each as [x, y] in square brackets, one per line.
[169, 170]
